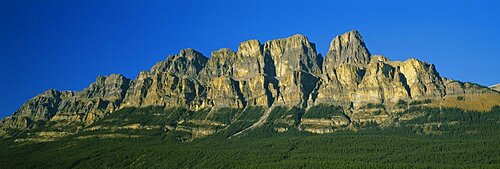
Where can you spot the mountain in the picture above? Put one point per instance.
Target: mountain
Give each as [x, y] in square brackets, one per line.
[349, 86]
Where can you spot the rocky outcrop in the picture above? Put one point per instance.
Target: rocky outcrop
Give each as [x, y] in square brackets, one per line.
[43, 106]
[339, 86]
[422, 79]
[348, 48]
[381, 83]
[170, 83]
[224, 92]
[188, 63]
[222, 89]
[235, 79]
[92, 103]
[495, 87]
[101, 97]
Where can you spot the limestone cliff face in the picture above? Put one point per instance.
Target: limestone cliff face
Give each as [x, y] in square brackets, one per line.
[101, 97]
[41, 107]
[343, 69]
[250, 72]
[222, 89]
[170, 83]
[422, 79]
[224, 92]
[221, 63]
[381, 83]
[348, 48]
[339, 86]
[454, 88]
[236, 79]
[295, 66]
[283, 72]
[188, 62]
[352, 76]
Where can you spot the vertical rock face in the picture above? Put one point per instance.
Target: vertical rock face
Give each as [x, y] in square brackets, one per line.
[111, 88]
[138, 90]
[220, 64]
[224, 92]
[249, 60]
[422, 79]
[250, 72]
[170, 90]
[296, 67]
[236, 79]
[222, 89]
[381, 83]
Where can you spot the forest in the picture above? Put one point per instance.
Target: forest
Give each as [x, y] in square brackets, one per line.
[446, 138]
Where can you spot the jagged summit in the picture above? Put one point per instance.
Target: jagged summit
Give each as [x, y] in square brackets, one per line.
[283, 72]
[250, 48]
[347, 48]
[188, 62]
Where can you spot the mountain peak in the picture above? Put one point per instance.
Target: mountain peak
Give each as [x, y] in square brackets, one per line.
[187, 62]
[294, 41]
[348, 48]
[250, 48]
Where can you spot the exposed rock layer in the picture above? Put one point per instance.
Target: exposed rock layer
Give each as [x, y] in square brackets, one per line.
[286, 72]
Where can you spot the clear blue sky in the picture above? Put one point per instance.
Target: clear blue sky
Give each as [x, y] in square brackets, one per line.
[66, 44]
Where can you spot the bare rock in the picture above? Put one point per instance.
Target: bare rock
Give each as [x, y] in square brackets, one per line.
[295, 66]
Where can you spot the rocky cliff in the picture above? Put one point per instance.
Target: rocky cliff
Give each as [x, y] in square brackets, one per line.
[285, 72]
[495, 87]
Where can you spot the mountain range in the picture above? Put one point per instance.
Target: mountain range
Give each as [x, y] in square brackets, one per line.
[351, 84]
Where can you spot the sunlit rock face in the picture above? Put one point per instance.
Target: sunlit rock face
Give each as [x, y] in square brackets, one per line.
[235, 79]
[282, 72]
[101, 97]
[422, 78]
[249, 71]
[188, 63]
[170, 83]
[92, 103]
[381, 83]
[348, 48]
[295, 66]
[343, 69]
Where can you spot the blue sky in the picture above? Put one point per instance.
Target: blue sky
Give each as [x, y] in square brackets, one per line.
[66, 44]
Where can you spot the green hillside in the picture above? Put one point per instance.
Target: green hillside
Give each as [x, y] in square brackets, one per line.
[448, 138]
